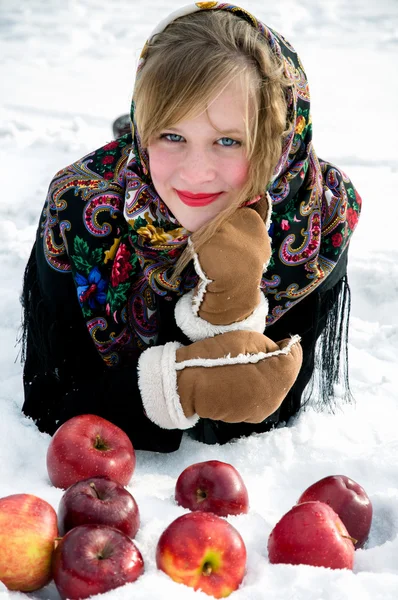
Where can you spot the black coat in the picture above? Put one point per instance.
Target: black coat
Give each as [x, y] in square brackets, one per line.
[64, 375]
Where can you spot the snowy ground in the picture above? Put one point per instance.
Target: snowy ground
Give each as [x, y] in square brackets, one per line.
[67, 71]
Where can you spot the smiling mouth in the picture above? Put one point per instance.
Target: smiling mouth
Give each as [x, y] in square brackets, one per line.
[197, 199]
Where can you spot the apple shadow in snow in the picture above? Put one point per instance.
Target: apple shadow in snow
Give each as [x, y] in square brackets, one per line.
[384, 524]
[49, 592]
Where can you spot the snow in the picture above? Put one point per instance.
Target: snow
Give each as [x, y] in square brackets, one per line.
[68, 70]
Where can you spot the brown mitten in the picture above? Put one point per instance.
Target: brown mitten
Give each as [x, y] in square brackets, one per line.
[230, 266]
[239, 376]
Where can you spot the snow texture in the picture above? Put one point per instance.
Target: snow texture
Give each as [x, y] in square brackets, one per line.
[67, 70]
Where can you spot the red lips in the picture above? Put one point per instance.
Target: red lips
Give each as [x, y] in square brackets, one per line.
[197, 199]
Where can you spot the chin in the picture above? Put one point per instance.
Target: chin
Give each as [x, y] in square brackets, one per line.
[193, 226]
[196, 221]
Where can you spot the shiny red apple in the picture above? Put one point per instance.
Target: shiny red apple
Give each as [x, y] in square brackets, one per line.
[203, 551]
[212, 486]
[28, 530]
[100, 501]
[348, 499]
[93, 559]
[88, 446]
[311, 534]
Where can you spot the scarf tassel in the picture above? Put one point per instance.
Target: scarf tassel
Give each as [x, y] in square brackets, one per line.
[37, 327]
[329, 385]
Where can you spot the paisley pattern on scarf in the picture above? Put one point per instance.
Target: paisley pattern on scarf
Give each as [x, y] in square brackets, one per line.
[104, 223]
[120, 252]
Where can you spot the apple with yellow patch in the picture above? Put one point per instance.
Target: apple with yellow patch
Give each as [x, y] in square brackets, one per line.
[203, 551]
[28, 529]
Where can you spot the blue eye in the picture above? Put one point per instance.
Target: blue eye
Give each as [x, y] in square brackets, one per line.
[170, 137]
[175, 138]
[234, 142]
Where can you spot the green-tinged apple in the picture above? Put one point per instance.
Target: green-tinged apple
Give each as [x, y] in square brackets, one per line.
[88, 446]
[212, 486]
[28, 530]
[98, 501]
[311, 534]
[203, 551]
[348, 499]
[93, 559]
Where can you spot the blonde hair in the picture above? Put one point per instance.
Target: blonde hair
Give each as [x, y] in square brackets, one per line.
[186, 66]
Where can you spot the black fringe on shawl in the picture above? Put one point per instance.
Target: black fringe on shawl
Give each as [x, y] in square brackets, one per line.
[329, 384]
[37, 325]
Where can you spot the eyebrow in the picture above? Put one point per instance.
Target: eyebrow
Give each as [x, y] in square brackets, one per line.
[225, 132]
[233, 132]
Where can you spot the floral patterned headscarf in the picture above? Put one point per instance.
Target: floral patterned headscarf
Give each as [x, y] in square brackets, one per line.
[105, 222]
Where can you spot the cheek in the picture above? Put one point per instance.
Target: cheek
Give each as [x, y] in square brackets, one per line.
[237, 172]
[161, 165]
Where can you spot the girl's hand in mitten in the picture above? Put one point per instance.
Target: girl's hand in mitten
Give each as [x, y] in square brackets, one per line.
[239, 376]
[230, 266]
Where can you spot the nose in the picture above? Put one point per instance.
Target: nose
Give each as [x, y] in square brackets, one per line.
[197, 167]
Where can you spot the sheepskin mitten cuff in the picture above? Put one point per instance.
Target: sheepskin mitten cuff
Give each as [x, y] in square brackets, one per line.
[196, 328]
[157, 380]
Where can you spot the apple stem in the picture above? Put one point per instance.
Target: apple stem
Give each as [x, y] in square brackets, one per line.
[56, 542]
[99, 443]
[348, 537]
[92, 485]
[207, 569]
[200, 495]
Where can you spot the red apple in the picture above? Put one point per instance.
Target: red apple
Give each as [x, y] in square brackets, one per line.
[93, 559]
[99, 501]
[348, 499]
[28, 529]
[204, 552]
[311, 534]
[87, 446]
[212, 486]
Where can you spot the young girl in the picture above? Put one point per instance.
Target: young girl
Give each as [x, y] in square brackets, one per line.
[182, 274]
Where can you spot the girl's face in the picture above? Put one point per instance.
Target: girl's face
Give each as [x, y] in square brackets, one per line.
[193, 157]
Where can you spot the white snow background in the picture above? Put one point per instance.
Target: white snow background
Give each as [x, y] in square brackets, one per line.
[67, 70]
